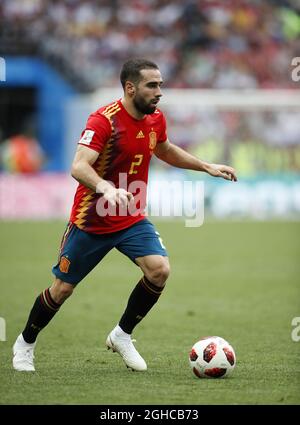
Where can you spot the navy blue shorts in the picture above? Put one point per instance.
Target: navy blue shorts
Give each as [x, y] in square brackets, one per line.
[80, 251]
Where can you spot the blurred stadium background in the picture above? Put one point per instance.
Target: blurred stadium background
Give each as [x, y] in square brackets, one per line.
[229, 96]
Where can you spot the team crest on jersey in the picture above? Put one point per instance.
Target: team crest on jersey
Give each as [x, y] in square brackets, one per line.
[87, 137]
[152, 140]
[64, 264]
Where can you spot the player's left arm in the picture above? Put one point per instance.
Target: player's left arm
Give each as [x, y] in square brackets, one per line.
[174, 155]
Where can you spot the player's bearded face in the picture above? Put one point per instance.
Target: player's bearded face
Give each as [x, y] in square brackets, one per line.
[144, 105]
[148, 91]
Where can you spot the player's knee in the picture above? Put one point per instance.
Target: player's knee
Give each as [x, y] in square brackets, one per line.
[159, 274]
[66, 290]
[60, 291]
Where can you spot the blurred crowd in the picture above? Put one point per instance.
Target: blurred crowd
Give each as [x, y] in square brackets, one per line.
[21, 153]
[197, 43]
[254, 142]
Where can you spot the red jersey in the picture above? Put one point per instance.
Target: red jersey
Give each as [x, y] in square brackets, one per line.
[125, 146]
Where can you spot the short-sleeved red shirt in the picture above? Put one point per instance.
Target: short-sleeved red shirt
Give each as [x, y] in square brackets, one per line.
[125, 146]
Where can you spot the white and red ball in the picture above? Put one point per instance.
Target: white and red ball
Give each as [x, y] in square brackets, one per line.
[212, 357]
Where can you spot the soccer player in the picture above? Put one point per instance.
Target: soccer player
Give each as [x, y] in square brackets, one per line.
[111, 165]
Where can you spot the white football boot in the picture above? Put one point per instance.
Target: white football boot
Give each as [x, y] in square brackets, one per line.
[23, 355]
[121, 342]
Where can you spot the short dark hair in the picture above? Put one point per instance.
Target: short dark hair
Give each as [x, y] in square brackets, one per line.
[131, 70]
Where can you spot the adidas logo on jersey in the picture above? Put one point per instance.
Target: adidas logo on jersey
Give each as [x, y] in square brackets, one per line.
[140, 135]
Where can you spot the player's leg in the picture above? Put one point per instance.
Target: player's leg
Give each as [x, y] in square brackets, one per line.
[142, 244]
[146, 293]
[156, 269]
[80, 252]
[44, 309]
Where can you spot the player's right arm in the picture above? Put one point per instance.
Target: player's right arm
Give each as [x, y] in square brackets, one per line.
[83, 171]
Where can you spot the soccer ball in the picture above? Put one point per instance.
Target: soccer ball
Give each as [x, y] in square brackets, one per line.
[212, 357]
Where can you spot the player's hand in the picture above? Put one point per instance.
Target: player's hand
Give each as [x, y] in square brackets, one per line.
[118, 196]
[224, 171]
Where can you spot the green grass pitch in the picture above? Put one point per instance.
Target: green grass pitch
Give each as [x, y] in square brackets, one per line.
[236, 280]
